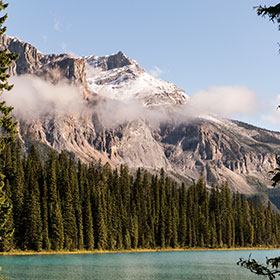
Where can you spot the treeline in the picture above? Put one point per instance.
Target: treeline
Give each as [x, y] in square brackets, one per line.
[60, 205]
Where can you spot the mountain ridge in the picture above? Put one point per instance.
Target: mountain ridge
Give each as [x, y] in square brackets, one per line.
[201, 146]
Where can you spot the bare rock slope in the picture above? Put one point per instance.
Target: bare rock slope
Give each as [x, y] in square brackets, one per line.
[54, 68]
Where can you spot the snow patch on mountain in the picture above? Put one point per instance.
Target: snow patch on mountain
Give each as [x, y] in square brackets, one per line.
[119, 77]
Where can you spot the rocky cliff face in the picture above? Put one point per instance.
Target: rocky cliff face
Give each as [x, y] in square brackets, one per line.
[217, 149]
[29, 57]
[221, 150]
[54, 68]
[109, 62]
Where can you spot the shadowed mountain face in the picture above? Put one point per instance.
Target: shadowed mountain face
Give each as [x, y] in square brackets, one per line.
[207, 146]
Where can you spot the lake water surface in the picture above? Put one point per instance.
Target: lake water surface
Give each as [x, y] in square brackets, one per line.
[210, 265]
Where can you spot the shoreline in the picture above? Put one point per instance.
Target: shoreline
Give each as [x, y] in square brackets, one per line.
[26, 253]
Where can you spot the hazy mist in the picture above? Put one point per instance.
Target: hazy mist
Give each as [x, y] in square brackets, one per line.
[34, 98]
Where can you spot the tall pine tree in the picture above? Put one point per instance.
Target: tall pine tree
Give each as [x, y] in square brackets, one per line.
[8, 130]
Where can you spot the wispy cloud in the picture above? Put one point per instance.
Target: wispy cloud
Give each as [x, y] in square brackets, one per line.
[33, 98]
[45, 38]
[226, 101]
[156, 71]
[223, 101]
[64, 47]
[57, 25]
[273, 117]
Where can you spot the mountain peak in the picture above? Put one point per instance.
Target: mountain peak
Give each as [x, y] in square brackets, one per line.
[119, 77]
[110, 62]
[218, 150]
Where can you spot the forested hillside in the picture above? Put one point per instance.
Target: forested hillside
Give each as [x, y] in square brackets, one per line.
[61, 205]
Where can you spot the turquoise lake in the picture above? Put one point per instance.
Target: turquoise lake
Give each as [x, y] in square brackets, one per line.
[210, 265]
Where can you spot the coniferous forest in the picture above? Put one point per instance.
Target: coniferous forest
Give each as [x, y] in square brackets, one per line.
[62, 205]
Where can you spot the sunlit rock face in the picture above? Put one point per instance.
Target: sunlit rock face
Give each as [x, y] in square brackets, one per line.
[217, 149]
[54, 68]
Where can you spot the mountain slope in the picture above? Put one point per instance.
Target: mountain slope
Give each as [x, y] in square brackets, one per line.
[207, 146]
[119, 77]
[53, 68]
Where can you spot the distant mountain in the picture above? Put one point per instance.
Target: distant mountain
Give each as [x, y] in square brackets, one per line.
[205, 146]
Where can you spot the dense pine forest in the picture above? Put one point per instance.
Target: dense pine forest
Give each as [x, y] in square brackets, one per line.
[63, 205]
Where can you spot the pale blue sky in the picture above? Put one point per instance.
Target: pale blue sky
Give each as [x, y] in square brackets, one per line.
[196, 44]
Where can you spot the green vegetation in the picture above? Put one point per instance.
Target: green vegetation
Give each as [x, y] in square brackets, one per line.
[7, 128]
[270, 269]
[273, 12]
[58, 205]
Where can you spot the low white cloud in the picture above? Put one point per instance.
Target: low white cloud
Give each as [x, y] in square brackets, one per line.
[92, 71]
[156, 71]
[64, 48]
[34, 98]
[115, 112]
[223, 101]
[226, 101]
[273, 117]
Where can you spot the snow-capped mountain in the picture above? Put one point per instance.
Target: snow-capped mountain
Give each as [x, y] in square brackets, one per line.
[119, 77]
[207, 146]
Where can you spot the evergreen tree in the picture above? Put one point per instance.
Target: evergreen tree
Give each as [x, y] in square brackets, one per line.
[45, 218]
[227, 218]
[7, 124]
[66, 198]
[8, 130]
[102, 233]
[175, 220]
[134, 232]
[6, 231]
[17, 182]
[182, 232]
[162, 212]
[268, 225]
[273, 12]
[88, 220]
[56, 231]
[69, 221]
[119, 211]
[32, 210]
[77, 205]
